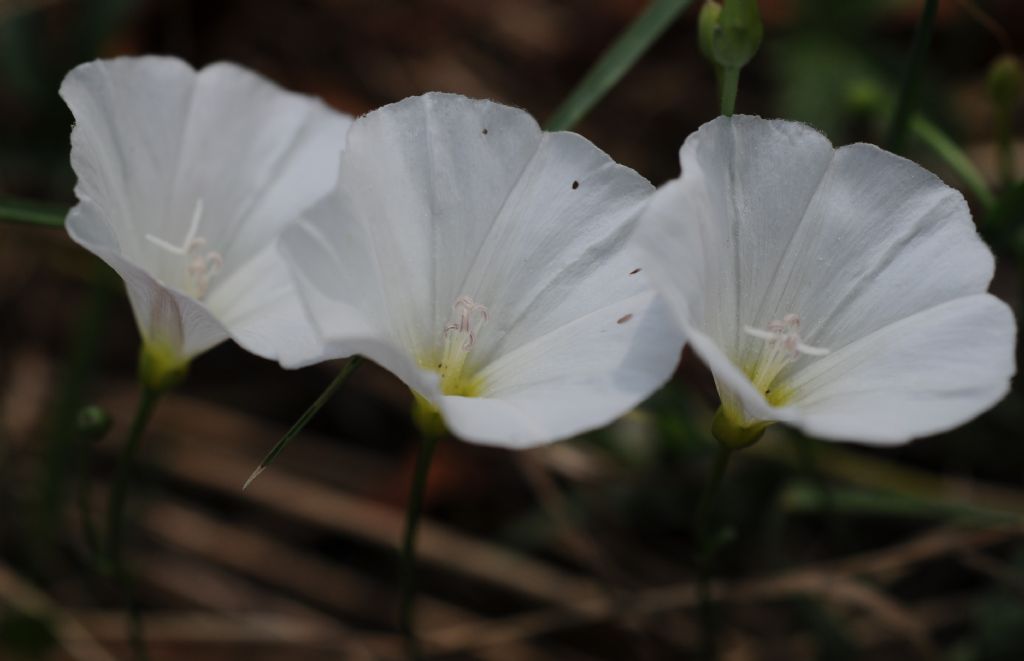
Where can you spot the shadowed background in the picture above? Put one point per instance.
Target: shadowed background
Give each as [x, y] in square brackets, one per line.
[581, 550]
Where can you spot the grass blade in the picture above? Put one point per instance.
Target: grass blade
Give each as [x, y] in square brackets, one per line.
[32, 213]
[616, 62]
[304, 419]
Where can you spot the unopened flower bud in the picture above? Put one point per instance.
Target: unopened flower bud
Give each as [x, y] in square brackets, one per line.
[93, 422]
[1005, 80]
[738, 34]
[707, 23]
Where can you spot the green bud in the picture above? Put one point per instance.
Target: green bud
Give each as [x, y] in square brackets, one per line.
[707, 23]
[1005, 80]
[733, 435]
[160, 368]
[738, 34]
[93, 422]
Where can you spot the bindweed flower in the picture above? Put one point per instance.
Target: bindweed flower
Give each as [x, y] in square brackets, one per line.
[841, 291]
[483, 262]
[185, 180]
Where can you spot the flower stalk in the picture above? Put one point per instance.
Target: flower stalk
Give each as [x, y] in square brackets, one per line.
[407, 562]
[708, 545]
[125, 468]
[115, 525]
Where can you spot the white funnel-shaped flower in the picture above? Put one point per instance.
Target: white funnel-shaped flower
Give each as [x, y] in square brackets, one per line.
[185, 181]
[842, 291]
[484, 263]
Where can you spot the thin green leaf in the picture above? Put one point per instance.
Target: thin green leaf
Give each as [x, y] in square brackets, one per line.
[802, 496]
[31, 213]
[954, 157]
[616, 62]
[875, 473]
[304, 419]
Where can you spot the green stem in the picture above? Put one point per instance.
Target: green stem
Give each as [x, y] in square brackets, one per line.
[616, 62]
[31, 213]
[85, 510]
[136, 634]
[707, 547]
[304, 419]
[730, 84]
[118, 496]
[125, 466]
[954, 157]
[911, 76]
[707, 497]
[408, 559]
[87, 335]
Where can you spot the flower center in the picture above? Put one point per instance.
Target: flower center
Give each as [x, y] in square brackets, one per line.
[201, 265]
[459, 336]
[783, 347]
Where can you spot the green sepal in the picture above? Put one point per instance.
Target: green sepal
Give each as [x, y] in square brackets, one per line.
[427, 418]
[160, 368]
[733, 435]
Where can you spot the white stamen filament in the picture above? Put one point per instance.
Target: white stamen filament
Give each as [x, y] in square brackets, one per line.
[784, 346]
[459, 337]
[200, 266]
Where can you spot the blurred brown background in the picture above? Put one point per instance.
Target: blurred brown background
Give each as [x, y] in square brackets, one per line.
[577, 551]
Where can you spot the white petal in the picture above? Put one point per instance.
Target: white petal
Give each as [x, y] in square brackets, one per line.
[882, 240]
[679, 254]
[156, 141]
[130, 115]
[755, 179]
[261, 307]
[165, 317]
[440, 197]
[580, 376]
[922, 375]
